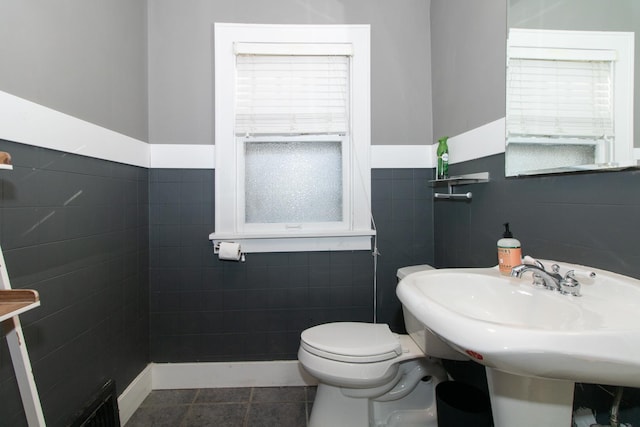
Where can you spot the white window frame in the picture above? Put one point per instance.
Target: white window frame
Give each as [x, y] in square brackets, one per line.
[557, 44]
[356, 235]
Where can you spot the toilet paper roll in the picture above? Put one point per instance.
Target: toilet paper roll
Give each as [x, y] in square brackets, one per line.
[230, 251]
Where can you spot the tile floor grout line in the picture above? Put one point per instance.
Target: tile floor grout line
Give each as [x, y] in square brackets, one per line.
[185, 417]
[246, 415]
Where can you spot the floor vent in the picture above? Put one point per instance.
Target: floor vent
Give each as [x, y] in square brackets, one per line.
[101, 410]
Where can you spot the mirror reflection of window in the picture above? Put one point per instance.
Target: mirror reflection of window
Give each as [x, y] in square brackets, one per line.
[568, 100]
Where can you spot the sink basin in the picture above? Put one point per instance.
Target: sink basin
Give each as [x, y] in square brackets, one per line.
[507, 323]
[532, 339]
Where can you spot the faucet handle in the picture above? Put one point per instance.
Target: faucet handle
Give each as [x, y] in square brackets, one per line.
[531, 260]
[556, 268]
[569, 285]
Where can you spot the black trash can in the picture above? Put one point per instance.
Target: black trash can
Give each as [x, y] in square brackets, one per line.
[462, 405]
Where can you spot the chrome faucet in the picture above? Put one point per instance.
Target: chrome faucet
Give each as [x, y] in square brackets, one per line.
[549, 280]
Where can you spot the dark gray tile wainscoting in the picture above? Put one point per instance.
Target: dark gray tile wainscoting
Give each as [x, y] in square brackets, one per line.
[76, 230]
[204, 309]
[127, 275]
[585, 218]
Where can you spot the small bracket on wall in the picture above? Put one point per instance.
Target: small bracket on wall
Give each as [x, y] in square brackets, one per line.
[452, 181]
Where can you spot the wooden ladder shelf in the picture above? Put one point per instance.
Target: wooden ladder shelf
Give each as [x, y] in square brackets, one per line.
[13, 302]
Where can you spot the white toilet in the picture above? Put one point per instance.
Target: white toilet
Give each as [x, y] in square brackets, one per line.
[369, 376]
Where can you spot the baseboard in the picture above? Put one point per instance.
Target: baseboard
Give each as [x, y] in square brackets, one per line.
[165, 376]
[133, 396]
[229, 374]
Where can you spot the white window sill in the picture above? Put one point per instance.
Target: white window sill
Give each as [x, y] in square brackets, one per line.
[298, 242]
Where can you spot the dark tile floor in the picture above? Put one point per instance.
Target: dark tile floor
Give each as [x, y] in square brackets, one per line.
[226, 407]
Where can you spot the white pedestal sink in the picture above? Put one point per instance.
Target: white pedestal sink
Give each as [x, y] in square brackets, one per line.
[522, 401]
[535, 343]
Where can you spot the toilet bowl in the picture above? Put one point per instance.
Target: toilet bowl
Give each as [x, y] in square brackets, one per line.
[369, 376]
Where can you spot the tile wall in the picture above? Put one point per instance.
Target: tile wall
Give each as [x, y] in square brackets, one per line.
[126, 273]
[586, 218]
[203, 309]
[76, 230]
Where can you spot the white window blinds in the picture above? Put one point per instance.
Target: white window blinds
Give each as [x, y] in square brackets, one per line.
[560, 93]
[295, 93]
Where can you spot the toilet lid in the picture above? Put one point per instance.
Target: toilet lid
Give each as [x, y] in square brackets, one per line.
[352, 342]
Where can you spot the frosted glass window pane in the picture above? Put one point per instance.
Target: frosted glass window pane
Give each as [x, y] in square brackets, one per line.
[293, 182]
[529, 157]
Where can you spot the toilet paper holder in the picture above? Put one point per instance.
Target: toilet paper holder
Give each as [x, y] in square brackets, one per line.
[216, 249]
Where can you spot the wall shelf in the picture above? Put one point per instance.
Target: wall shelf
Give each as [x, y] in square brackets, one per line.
[472, 178]
[17, 301]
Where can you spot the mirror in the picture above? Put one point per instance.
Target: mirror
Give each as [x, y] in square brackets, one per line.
[542, 32]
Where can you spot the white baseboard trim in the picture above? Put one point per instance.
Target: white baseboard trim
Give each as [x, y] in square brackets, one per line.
[133, 396]
[229, 374]
[166, 376]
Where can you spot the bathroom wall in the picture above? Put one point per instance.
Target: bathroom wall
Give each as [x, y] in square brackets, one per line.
[84, 58]
[76, 230]
[72, 227]
[468, 45]
[204, 309]
[585, 218]
[97, 238]
[589, 218]
[181, 62]
[87, 234]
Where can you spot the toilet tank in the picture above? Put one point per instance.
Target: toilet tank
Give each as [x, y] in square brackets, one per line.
[405, 271]
[429, 343]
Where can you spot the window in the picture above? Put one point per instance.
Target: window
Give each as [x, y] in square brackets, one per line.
[292, 137]
[568, 92]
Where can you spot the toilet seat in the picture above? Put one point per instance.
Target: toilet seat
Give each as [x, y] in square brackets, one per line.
[352, 342]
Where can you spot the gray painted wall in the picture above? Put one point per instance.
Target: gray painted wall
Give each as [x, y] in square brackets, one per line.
[468, 56]
[84, 58]
[181, 62]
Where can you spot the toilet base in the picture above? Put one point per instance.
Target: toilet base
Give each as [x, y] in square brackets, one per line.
[411, 402]
[332, 408]
[418, 409]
